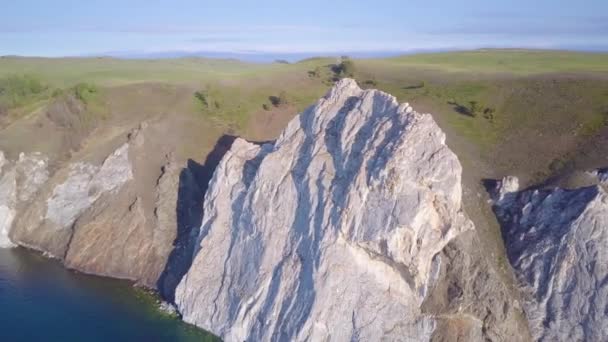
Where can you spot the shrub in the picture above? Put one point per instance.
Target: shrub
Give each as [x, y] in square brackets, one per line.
[16, 90]
[316, 73]
[488, 114]
[346, 68]
[57, 92]
[202, 97]
[85, 92]
[280, 100]
[370, 82]
[560, 164]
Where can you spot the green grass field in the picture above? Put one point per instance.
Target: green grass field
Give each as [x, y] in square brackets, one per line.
[520, 62]
[111, 71]
[498, 101]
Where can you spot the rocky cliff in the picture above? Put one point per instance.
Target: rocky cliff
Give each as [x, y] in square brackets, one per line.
[348, 227]
[19, 181]
[114, 214]
[556, 240]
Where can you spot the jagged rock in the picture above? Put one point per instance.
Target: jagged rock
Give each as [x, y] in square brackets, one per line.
[114, 217]
[556, 240]
[47, 224]
[19, 181]
[167, 308]
[85, 184]
[179, 212]
[505, 186]
[333, 231]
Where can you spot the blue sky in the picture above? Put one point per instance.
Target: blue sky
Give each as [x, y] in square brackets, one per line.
[308, 27]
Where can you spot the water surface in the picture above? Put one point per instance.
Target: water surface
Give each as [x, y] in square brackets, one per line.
[42, 301]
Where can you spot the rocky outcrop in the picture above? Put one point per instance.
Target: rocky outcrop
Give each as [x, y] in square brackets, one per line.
[556, 240]
[334, 231]
[19, 181]
[116, 217]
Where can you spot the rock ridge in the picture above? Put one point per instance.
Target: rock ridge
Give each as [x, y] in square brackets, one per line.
[556, 241]
[112, 216]
[337, 223]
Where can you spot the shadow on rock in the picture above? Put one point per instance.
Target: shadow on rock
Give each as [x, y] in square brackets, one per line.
[193, 182]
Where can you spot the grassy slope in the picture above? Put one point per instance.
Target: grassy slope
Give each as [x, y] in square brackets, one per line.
[521, 62]
[546, 104]
[563, 95]
[110, 71]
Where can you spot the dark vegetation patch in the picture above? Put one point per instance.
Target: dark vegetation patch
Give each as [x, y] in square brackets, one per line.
[235, 105]
[331, 73]
[20, 90]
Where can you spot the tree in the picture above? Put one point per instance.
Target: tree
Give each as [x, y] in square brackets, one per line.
[280, 100]
[346, 68]
[316, 73]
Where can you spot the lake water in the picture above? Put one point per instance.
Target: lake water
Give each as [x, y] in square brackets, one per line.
[42, 301]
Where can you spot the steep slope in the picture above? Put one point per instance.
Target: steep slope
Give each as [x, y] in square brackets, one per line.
[556, 240]
[118, 215]
[338, 230]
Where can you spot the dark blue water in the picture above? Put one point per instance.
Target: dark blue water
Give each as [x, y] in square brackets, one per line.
[42, 301]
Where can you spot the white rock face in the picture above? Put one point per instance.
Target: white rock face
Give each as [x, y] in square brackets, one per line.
[85, 184]
[8, 201]
[19, 181]
[505, 186]
[32, 170]
[330, 233]
[557, 241]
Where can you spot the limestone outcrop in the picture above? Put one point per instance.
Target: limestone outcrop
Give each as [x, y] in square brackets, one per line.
[114, 216]
[19, 181]
[557, 241]
[331, 232]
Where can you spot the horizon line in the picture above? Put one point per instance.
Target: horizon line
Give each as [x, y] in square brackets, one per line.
[273, 56]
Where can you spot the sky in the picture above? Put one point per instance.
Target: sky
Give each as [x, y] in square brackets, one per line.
[306, 27]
